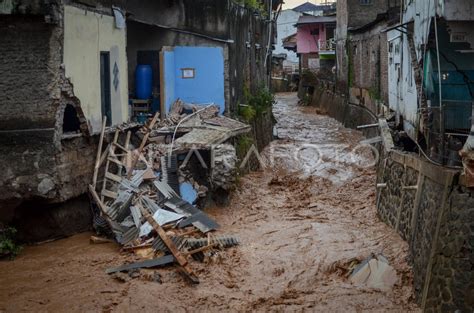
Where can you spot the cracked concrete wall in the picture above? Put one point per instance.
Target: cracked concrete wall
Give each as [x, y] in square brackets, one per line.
[86, 35]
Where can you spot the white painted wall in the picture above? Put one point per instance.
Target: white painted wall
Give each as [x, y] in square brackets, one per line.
[285, 28]
[86, 34]
[403, 96]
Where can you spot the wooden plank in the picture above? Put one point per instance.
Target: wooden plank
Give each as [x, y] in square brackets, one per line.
[113, 177]
[99, 152]
[103, 157]
[111, 153]
[127, 141]
[100, 240]
[170, 244]
[100, 204]
[115, 160]
[120, 147]
[109, 194]
[133, 248]
[142, 145]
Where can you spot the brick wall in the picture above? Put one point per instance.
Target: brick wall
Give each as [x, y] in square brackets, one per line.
[368, 67]
[359, 14]
[352, 14]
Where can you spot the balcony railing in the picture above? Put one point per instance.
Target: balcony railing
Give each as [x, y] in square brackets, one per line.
[327, 45]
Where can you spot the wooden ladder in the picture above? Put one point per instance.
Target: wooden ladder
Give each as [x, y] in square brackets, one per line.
[117, 159]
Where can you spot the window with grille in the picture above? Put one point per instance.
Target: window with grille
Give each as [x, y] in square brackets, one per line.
[365, 2]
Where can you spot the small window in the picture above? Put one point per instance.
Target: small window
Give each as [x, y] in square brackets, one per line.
[365, 2]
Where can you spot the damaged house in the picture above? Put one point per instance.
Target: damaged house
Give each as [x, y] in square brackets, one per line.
[404, 77]
[68, 66]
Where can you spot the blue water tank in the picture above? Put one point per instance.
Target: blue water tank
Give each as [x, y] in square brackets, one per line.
[143, 82]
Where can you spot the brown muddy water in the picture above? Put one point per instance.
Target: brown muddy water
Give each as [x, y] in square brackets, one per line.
[302, 220]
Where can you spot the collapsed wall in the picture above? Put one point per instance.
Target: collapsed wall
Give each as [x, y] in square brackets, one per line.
[42, 168]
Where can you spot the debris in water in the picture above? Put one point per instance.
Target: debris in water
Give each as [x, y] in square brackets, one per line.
[144, 211]
[375, 272]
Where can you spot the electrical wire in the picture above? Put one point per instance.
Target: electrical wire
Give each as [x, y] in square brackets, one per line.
[170, 152]
[441, 109]
[434, 162]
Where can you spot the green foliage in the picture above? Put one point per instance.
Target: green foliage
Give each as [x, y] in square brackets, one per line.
[8, 247]
[374, 93]
[255, 5]
[244, 143]
[247, 113]
[261, 101]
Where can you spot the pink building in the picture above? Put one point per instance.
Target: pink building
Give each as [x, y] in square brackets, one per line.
[315, 41]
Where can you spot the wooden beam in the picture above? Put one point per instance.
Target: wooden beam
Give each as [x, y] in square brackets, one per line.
[170, 244]
[99, 152]
[99, 203]
[107, 164]
[143, 144]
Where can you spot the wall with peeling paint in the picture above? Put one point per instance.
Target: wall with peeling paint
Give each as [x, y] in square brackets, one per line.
[86, 35]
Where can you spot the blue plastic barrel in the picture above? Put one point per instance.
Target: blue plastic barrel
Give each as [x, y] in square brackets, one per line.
[143, 82]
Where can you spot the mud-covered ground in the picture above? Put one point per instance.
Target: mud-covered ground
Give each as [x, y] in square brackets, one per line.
[302, 221]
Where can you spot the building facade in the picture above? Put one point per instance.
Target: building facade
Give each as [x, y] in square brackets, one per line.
[68, 64]
[315, 41]
[286, 26]
[352, 14]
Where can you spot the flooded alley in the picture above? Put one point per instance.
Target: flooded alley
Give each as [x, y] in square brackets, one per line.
[303, 222]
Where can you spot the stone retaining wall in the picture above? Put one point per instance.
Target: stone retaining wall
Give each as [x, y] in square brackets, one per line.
[429, 208]
[435, 214]
[337, 106]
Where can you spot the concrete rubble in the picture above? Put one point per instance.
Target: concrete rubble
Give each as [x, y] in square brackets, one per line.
[146, 198]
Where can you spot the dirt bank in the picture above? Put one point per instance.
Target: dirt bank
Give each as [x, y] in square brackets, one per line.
[301, 221]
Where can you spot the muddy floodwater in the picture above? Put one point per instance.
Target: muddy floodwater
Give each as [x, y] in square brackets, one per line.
[303, 221]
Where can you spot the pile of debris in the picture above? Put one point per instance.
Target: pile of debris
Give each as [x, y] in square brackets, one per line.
[140, 201]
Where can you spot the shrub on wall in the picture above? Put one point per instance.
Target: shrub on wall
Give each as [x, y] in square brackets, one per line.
[8, 247]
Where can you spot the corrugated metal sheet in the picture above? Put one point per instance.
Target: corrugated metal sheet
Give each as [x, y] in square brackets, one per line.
[136, 215]
[129, 236]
